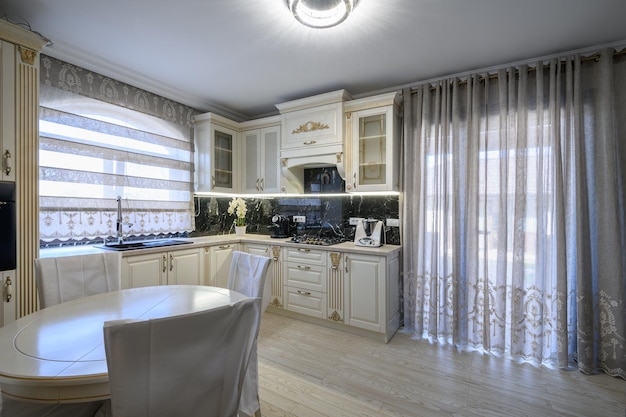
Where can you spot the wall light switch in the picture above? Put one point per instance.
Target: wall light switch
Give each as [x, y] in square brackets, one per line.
[355, 220]
[393, 222]
[299, 219]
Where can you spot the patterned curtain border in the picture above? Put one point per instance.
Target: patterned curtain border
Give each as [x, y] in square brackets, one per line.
[68, 77]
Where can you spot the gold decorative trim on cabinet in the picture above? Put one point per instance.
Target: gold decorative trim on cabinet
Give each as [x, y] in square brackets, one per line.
[28, 55]
[335, 293]
[310, 127]
[335, 316]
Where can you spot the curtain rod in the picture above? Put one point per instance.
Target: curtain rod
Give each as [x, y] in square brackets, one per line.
[594, 57]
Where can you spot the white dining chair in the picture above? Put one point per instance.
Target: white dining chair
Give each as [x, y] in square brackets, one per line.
[188, 365]
[68, 277]
[248, 275]
[11, 407]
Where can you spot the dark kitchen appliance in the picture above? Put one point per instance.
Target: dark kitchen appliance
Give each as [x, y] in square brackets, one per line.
[7, 226]
[281, 226]
[323, 180]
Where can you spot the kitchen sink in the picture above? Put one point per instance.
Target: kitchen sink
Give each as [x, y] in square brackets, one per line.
[144, 244]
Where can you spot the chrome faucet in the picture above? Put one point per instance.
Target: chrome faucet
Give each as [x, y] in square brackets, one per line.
[120, 222]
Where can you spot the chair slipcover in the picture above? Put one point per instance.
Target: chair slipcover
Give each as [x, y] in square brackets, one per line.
[69, 277]
[187, 365]
[248, 275]
[10, 407]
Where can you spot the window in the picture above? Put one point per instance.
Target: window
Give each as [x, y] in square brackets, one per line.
[92, 151]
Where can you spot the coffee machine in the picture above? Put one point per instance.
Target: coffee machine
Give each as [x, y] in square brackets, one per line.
[369, 232]
[281, 226]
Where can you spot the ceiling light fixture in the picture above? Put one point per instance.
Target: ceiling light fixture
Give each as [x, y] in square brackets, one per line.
[321, 13]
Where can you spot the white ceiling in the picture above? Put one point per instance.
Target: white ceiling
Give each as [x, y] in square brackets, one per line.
[240, 57]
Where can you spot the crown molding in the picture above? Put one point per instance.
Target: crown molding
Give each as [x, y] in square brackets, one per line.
[20, 36]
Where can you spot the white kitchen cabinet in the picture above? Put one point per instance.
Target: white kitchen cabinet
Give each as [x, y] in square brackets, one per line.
[312, 123]
[7, 116]
[216, 154]
[305, 281]
[275, 271]
[7, 153]
[374, 145]
[164, 268]
[7, 313]
[219, 259]
[262, 156]
[19, 149]
[354, 291]
[372, 291]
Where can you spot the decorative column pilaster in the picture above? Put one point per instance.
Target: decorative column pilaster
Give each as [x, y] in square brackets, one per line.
[25, 90]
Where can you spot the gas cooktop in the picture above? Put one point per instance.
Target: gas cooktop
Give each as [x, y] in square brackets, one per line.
[316, 240]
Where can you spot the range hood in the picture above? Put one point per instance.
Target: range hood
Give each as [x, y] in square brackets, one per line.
[293, 169]
[312, 137]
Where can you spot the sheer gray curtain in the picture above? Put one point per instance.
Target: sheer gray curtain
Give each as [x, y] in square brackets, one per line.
[514, 239]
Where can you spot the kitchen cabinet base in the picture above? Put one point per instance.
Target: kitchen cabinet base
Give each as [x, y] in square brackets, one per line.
[392, 327]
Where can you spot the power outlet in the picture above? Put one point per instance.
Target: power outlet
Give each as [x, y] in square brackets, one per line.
[299, 219]
[393, 222]
[355, 220]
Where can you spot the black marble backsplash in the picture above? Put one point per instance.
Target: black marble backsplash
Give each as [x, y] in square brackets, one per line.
[325, 216]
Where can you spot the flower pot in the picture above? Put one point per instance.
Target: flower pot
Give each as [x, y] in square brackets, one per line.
[240, 230]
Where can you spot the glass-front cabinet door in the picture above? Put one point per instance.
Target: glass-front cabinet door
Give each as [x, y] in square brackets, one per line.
[374, 150]
[215, 154]
[223, 159]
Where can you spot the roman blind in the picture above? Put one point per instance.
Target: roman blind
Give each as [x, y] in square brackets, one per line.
[92, 151]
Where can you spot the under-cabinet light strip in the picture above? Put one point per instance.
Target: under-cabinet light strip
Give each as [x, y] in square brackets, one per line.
[292, 195]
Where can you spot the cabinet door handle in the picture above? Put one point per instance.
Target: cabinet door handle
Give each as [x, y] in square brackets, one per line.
[212, 181]
[8, 165]
[309, 142]
[346, 262]
[354, 180]
[164, 263]
[171, 261]
[304, 250]
[306, 268]
[224, 247]
[262, 184]
[8, 289]
[257, 185]
[303, 292]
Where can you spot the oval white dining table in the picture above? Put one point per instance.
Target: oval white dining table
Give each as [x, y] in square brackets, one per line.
[56, 355]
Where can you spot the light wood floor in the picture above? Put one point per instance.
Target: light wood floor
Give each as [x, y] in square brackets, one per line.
[309, 370]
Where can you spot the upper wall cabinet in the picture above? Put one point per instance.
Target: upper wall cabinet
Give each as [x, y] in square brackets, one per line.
[373, 143]
[313, 124]
[261, 143]
[215, 156]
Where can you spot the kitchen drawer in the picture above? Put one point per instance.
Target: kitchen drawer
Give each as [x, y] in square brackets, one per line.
[309, 277]
[306, 255]
[310, 303]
